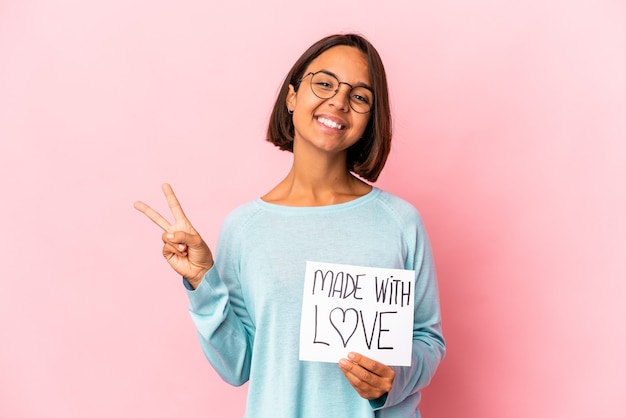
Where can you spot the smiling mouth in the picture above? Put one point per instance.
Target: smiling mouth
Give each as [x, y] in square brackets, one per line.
[329, 123]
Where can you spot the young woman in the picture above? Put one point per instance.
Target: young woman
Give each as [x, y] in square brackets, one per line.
[333, 114]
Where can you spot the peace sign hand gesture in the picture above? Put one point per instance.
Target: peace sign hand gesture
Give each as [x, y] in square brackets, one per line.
[183, 247]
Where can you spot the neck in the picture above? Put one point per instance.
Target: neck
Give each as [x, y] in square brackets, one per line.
[318, 180]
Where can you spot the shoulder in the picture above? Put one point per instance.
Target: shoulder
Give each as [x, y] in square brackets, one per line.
[235, 228]
[402, 210]
[241, 216]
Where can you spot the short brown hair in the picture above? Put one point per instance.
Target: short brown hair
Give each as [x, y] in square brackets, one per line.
[368, 156]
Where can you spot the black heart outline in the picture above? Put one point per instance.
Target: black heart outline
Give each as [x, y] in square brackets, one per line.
[356, 323]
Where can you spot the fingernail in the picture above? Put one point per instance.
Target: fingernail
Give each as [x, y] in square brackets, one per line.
[351, 356]
[169, 235]
[181, 247]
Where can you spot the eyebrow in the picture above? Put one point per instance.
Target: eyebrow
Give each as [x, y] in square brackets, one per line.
[359, 84]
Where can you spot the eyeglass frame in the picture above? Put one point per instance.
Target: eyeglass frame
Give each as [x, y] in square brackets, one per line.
[339, 83]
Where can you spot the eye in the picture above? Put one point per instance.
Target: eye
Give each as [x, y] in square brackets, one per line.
[360, 98]
[323, 82]
[325, 85]
[361, 95]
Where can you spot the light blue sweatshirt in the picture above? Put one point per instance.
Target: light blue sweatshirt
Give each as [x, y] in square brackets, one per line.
[247, 309]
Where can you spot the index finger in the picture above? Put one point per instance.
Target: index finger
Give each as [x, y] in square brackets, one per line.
[173, 203]
[368, 363]
[153, 215]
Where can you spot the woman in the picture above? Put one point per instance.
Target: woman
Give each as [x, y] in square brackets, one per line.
[333, 114]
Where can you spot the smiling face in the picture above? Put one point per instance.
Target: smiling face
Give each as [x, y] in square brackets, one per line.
[330, 125]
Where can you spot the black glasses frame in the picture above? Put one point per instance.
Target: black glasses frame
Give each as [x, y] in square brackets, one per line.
[312, 74]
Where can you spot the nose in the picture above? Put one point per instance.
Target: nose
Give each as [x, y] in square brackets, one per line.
[341, 99]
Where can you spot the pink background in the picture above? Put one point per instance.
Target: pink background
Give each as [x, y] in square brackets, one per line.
[510, 133]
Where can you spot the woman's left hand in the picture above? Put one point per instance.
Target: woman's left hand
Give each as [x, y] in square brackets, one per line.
[369, 378]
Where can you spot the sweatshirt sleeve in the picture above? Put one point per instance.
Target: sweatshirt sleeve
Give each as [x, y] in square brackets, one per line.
[219, 314]
[428, 341]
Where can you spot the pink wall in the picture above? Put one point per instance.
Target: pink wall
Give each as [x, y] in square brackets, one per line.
[510, 133]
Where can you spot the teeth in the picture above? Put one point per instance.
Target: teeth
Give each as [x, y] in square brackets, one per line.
[330, 123]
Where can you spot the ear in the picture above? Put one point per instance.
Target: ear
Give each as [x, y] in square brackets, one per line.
[290, 101]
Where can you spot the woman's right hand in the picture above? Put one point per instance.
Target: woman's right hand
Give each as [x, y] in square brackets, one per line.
[183, 247]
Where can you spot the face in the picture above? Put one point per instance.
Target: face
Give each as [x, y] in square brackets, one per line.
[330, 124]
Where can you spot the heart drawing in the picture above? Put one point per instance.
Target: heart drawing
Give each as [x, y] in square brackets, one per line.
[342, 324]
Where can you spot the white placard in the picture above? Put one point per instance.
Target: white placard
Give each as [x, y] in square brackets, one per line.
[354, 308]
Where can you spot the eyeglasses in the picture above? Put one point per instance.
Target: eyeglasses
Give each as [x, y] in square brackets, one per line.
[325, 85]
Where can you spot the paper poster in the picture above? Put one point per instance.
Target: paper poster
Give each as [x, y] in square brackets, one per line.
[354, 308]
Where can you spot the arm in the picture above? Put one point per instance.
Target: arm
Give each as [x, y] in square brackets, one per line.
[428, 342]
[223, 337]
[386, 386]
[218, 310]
